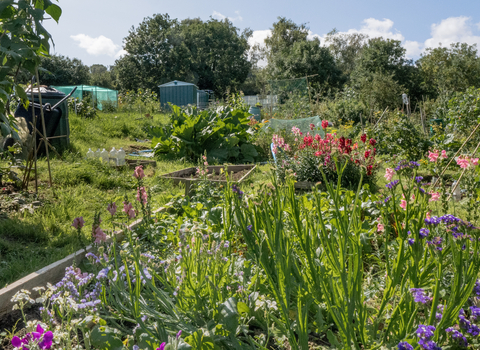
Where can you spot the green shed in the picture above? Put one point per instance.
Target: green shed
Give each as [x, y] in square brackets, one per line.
[97, 94]
[178, 93]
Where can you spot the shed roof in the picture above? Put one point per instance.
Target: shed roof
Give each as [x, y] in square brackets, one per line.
[176, 83]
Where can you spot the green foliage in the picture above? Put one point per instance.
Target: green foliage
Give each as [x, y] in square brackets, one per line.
[383, 65]
[396, 134]
[222, 134]
[211, 54]
[290, 54]
[463, 114]
[141, 101]
[84, 108]
[346, 107]
[296, 104]
[62, 70]
[23, 40]
[447, 69]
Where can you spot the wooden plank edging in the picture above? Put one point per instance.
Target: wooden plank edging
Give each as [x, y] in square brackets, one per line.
[51, 273]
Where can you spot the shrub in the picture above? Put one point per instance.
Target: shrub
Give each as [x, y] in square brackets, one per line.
[191, 133]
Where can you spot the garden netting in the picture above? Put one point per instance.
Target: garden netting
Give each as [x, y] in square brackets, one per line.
[97, 94]
[303, 124]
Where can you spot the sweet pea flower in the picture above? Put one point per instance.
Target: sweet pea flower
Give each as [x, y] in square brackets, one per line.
[112, 208]
[389, 174]
[474, 161]
[463, 162]
[138, 173]
[403, 204]
[78, 222]
[433, 156]
[444, 154]
[380, 228]
[312, 126]
[435, 196]
[324, 124]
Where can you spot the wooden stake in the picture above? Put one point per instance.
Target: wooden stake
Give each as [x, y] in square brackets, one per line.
[43, 125]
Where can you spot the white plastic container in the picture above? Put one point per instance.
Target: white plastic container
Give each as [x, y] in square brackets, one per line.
[104, 156]
[97, 154]
[113, 156]
[90, 154]
[121, 157]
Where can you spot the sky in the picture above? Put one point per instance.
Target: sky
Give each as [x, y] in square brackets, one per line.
[93, 31]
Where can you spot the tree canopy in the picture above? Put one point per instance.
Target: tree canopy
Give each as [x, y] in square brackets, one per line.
[61, 70]
[211, 54]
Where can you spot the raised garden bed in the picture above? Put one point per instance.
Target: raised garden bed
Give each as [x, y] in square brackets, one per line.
[237, 174]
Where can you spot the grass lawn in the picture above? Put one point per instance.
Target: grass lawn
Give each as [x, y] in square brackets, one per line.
[29, 242]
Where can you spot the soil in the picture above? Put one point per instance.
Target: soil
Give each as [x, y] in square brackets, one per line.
[233, 176]
[133, 148]
[13, 322]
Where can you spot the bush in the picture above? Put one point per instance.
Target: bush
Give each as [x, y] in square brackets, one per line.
[140, 101]
[398, 135]
[83, 108]
[109, 106]
[222, 135]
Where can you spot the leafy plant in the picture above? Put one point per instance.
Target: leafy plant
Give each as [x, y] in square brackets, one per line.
[190, 133]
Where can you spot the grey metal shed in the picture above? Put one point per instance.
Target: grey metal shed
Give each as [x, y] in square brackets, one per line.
[178, 93]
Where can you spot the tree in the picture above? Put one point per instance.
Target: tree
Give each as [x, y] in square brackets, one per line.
[450, 69]
[386, 57]
[211, 54]
[290, 53]
[23, 40]
[61, 70]
[345, 48]
[218, 53]
[103, 76]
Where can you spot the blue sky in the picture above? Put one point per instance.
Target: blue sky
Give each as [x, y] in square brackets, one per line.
[93, 30]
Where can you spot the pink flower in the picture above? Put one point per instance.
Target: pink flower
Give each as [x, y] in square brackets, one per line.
[138, 173]
[112, 208]
[389, 174]
[435, 196]
[99, 235]
[312, 126]
[142, 195]
[433, 156]
[128, 209]
[162, 346]
[380, 228]
[78, 222]
[444, 154]
[474, 161]
[427, 215]
[403, 204]
[324, 124]
[463, 162]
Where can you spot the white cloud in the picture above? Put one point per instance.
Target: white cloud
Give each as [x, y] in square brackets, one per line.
[120, 54]
[452, 30]
[259, 36]
[98, 46]
[221, 17]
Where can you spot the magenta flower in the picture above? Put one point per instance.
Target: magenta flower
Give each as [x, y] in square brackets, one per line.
[138, 173]
[444, 154]
[112, 208]
[78, 222]
[162, 346]
[45, 343]
[380, 228]
[474, 161]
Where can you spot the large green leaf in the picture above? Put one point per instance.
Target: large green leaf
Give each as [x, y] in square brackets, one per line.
[248, 151]
[198, 341]
[106, 338]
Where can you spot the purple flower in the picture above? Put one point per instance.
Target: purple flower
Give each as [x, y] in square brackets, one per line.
[419, 179]
[162, 346]
[476, 289]
[249, 227]
[179, 334]
[404, 346]
[411, 241]
[392, 185]
[419, 296]
[424, 232]
[424, 332]
[387, 199]
[458, 336]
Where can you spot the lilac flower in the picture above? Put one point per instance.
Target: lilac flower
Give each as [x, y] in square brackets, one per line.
[424, 232]
[392, 185]
[419, 296]
[404, 346]
[458, 336]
